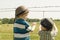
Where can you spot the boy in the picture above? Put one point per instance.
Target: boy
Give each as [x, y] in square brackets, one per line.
[48, 30]
[21, 27]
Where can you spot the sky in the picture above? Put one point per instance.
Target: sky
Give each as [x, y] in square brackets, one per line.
[6, 13]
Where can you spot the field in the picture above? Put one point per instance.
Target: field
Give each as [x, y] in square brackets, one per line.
[6, 32]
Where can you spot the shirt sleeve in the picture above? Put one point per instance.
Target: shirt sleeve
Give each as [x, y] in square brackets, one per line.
[31, 28]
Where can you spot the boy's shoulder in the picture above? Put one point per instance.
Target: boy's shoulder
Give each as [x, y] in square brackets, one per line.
[45, 32]
[45, 35]
[21, 21]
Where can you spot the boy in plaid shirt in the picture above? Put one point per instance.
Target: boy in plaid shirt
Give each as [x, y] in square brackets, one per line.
[48, 29]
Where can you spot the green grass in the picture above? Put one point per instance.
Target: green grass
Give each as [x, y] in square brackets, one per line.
[6, 32]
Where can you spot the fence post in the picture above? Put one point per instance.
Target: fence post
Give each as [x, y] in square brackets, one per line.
[43, 14]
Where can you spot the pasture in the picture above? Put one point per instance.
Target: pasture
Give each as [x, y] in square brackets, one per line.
[6, 32]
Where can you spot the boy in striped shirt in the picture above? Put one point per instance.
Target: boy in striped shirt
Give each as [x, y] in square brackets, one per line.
[21, 27]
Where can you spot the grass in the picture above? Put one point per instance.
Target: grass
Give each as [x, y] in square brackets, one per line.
[6, 32]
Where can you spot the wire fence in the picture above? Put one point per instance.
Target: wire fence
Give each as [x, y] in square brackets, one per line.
[33, 9]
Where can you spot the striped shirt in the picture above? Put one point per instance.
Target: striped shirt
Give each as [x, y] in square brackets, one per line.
[45, 35]
[20, 28]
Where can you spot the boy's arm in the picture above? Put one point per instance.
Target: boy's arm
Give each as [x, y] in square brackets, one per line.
[54, 30]
[32, 28]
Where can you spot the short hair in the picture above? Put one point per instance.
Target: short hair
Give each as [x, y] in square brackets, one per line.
[46, 23]
[20, 10]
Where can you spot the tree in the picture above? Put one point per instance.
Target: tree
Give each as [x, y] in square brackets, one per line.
[5, 20]
[11, 21]
[0, 21]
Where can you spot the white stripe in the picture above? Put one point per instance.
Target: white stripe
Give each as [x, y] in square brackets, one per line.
[21, 35]
[31, 28]
[19, 26]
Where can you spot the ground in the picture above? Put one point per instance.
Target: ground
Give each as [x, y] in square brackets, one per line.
[6, 32]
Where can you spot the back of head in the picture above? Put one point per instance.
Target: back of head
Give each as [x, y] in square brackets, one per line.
[47, 23]
[20, 10]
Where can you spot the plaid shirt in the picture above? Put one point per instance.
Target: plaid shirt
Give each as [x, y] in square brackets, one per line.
[45, 35]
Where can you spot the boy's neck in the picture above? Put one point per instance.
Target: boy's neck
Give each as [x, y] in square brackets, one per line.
[43, 28]
[22, 18]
